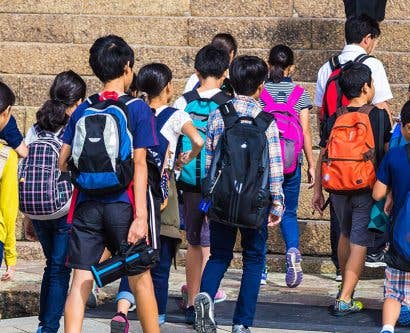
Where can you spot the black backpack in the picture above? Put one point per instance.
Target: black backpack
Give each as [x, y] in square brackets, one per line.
[237, 183]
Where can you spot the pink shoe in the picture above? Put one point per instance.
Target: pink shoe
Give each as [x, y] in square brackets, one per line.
[219, 297]
[119, 323]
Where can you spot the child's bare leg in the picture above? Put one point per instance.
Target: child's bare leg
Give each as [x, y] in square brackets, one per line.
[391, 311]
[123, 306]
[143, 290]
[75, 305]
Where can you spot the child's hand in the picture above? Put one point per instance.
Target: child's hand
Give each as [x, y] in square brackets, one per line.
[273, 220]
[184, 158]
[388, 206]
[138, 230]
[9, 275]
[311, 177]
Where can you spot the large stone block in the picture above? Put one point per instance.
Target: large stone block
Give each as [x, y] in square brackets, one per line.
[251, 32]
[238, 8]
[328, 34]
[42, 6]
[35, 89]
[396, 65]
[305, 205]
[36, 28]
[159, 31]
[39, 58]
[137, 7]
[398, 10]
[319, 8]
[14, 84]
[395, 36]
[308, 63]
[400, 96]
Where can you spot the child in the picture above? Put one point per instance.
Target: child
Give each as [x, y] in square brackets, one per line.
[227, 43]
[280, 88]
[66, 93]
[8, 180]
[352, 209]
[248, 76]
[393, 175]
[155, 81]
[211, 66]
[108, 220]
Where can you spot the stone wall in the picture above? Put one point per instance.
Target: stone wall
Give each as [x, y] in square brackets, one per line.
[39, 38]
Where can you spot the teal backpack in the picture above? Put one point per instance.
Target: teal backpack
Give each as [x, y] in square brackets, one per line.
[199, 109]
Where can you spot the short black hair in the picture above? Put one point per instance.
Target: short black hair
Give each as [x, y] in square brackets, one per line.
[153, 78]
[67, 89]
[225, 42]
[280, 57]
[405, 114]
[108, 57]
[353, 78]
[211, 61]
[247, 73]
[358, 27]
[7, 97]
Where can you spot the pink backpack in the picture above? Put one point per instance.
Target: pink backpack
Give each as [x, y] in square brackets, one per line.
[290, 128]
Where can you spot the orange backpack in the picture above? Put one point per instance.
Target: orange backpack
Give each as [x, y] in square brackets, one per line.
[349, 160]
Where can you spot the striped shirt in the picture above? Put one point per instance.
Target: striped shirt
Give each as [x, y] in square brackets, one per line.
[281, 91]
[247, 106]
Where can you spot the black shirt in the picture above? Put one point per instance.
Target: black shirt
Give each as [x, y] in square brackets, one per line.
[326, 128]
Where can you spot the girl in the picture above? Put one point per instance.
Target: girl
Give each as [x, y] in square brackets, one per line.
[66, 93]
[155, 82]
[280, 86]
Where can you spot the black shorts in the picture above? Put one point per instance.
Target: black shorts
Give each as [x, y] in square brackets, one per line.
[97, 226]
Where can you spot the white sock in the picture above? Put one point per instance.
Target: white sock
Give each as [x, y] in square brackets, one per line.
[388, 328]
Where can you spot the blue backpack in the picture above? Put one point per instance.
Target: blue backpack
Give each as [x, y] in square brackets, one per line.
[397, 139]
[199, 109]
[399, 254]
[102, 148]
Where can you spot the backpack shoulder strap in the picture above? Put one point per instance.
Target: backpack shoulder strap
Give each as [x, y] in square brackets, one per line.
[367, 108]
[342, 110]
[165, 114]
[229, 114]
[127, 99]
[4, 155]
[295, 95]
[362, 58]
[191, 96]
[334, 63]
[221, 98]
[93, 99]
[263, 120]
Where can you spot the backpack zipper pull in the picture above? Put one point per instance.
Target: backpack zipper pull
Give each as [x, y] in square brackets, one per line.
[216, 181]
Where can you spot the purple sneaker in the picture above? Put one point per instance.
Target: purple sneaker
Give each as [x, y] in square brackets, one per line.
[294, 273]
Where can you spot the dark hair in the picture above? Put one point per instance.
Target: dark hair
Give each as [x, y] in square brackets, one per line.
[358, 27]
[67, 88]
[153, 78]
[405, 114]
[7, 97]
[280, 57]
[211, 61]
[225, 42]
[247, 73]
[353, 78]
[108, 57]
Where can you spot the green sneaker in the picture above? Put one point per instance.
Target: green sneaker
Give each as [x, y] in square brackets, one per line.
[343, 308]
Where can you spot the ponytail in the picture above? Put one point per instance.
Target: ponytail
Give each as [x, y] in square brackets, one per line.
[52, 116]
[280, 58]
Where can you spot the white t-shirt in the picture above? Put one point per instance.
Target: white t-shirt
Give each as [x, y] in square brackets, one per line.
[181, 103]
[349, 53]
[191, 83]
[172, 129]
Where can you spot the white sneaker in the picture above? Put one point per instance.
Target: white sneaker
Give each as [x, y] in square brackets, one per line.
[204, 314]
[240, 329]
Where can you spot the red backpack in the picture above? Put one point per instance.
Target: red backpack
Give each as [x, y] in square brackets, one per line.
[333, 98]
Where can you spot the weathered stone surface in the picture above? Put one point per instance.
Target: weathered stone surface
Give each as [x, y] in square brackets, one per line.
[305, 205]
[13, 82]
[308, 64]
[159, 31]
[137, 7]
[396, 65]
[36, 28]
[41, 6]
[400, 96]
[29, 251]
[252, 32]
[328, 34]
[398, 10]
[395, 36]
[258, 8]
[319, 8]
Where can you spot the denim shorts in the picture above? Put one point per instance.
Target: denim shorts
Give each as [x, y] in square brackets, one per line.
[197, 229]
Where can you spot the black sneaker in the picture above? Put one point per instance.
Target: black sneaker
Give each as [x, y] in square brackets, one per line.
[190, 315]
[338, 277]
[375, 260]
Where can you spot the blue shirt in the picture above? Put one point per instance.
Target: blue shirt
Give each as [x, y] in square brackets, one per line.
[144, 135]
[11, 134]
[394, 172]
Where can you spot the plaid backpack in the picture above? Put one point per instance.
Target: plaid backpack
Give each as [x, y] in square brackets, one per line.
[45, 192]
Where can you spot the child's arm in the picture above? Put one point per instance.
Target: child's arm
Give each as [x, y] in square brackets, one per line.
[307, 146]
[139, 227]
[64, 156]
[379, 191]
[12, 135]
[196, 141]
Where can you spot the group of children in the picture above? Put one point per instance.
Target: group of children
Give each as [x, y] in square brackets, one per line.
[136, 160]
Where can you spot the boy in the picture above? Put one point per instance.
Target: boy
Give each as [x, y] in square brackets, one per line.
[108, 221]
[8, 180]
[353, 209]
[393, 175]
[211, 65]
[222, 41]
[362, 35]
[248, 75]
